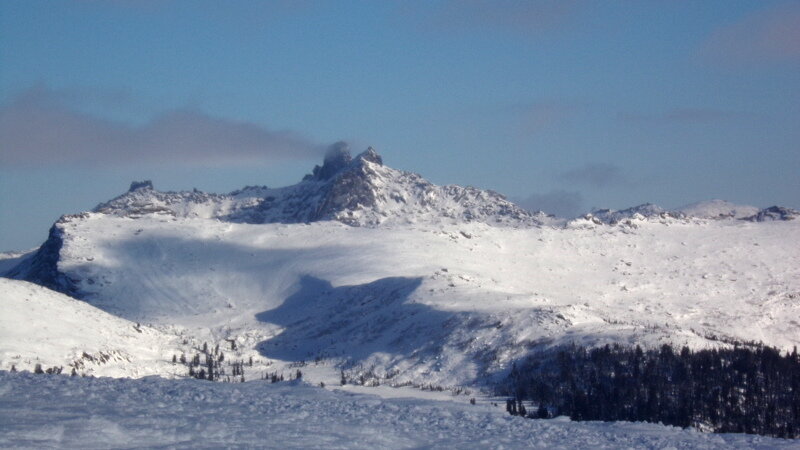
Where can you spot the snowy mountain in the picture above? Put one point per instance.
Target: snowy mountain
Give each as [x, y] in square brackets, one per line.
[378, 271]
[358, 191]
[706, 210]
[644, 211]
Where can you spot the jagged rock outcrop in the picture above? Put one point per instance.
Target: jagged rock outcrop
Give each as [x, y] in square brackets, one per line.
[358, 191]
[644, 211]
[42, 266]
[774, 213]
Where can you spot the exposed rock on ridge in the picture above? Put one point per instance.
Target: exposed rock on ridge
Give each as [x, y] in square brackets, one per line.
[358, 191]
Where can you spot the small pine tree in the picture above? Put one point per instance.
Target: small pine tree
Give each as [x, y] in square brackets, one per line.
[343, 380]
[174, 359]
[298, 375]
[38, 369]
[511, 407]
[74, 373]
[13, 368]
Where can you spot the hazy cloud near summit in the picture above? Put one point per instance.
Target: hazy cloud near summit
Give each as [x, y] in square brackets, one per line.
[41, 126]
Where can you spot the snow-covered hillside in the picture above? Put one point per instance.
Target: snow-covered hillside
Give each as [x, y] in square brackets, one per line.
[40, 326]
[57, 411]
[442, 304]
[442, 285]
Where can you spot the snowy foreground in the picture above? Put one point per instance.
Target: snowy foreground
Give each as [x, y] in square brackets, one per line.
[38, 411]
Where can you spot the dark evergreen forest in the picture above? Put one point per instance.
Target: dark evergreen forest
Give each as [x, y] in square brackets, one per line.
[751, 389]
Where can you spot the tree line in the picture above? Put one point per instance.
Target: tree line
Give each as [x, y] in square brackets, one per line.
[734, 390]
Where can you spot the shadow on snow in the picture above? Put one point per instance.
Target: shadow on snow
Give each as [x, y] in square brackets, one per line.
[353, 322]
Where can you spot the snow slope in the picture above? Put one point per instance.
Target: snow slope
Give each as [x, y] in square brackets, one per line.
[58, 411]
[40, 326]
[442, 304]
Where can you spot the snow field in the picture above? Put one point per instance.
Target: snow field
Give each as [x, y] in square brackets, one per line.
[40, 411]
[443, 304]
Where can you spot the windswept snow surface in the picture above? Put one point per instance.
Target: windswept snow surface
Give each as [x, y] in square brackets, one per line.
[38, 411]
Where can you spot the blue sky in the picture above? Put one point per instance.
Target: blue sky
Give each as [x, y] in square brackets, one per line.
[562, 105]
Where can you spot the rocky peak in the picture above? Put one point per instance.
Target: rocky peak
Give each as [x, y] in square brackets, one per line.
[370, 155]
[338, 159]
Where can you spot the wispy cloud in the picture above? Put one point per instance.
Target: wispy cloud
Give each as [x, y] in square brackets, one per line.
[42, 126]
[559, 202]
[596, 175]
[767, 36]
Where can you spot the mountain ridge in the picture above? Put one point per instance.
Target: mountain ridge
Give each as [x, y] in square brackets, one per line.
[358, 191]
[367, 266]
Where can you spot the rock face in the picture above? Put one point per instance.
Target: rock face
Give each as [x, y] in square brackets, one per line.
[774, 213]
[358, 191]
[42, 267]
[644, 211]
